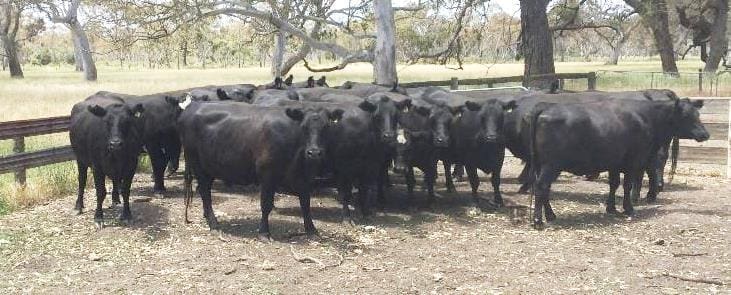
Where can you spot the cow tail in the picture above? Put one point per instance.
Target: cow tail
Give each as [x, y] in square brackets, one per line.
[533, 156]
[674, 150]
[188, 178]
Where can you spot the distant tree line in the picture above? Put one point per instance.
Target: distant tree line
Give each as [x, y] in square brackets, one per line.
[283, 33]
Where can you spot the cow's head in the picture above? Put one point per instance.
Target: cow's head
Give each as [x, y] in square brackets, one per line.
[119, 122]
[313, 122]
[242, 93]
[687, 122]
[438, 121]
[385, 112]
[491, 114]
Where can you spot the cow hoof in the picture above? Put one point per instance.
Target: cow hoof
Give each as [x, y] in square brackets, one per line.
[348, 222]
[612, 210]
[451, 189]
[538, 225]
[629, 212]
[212, 223]
[79, 211]
[550, 216]
[125, 219]
[651, 199]
[99, 224]
[265, 238]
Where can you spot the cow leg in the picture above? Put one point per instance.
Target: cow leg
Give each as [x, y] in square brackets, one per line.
[448, 176]
[652, 175]
[474, 184]
[101, 193]
[381, 184]
[126, 216]
[82, 168]
[172, 152]
[115, 192]
[345, 190]
[525, 179]
[306, 214]
[204, 190]
[366, 196]
[631, 177]
[158, 160]
[267, 204]
[495, 180]
[458, 173]
[430, 177]
[410, 181]
[542, 189]
[660, 162]
[613, 185]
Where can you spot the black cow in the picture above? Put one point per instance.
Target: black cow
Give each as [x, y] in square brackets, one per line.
[360, 146]
[271, 97]
[104, 136]
[619, 136]
[517, 142]
[427, 132]
[478, 142]
[281, 149]
[159, 133]
[278, 83]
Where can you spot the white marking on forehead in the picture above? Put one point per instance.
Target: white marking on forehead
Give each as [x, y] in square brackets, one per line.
[400, 138]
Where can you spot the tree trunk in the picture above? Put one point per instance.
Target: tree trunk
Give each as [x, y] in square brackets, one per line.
[536, 43]
[280, 46]
[654, 14]
[85, 50]
[718, 42]
[78, 62]
[614, 56]
[11, 53]
[384, 61]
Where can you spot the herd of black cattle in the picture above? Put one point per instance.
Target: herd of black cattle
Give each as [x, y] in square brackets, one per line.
[295, 137]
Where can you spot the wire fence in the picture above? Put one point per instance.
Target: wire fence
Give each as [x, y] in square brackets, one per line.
[684, 83]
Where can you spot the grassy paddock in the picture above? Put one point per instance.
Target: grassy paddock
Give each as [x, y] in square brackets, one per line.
[50, 91]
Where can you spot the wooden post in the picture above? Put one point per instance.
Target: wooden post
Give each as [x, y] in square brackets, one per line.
[561, 84]
[728, 144]
[454, 83]
[19, 147]
[700, 81]
[591, 81]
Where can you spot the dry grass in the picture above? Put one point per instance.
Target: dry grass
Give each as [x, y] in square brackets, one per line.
[49, 92]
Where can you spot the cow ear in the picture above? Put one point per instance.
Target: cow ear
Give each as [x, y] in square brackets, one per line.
[288, 81]
[347, 85]
[222, 94]
[367, 106]
[310, 82]
[278, 82]
[422, 111]
[172, 100]
[697, 103]
[509, 106]
[472, 106]
[322, 81]
[295, 114]
[97, 110]
[404, 104]
[336, 114]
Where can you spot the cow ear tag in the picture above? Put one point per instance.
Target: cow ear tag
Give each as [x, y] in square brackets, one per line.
[186, 101]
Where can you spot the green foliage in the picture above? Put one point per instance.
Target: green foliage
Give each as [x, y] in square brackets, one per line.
[42, 58]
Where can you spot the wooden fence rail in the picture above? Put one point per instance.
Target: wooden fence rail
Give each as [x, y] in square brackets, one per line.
[21, 160]
[490, 82]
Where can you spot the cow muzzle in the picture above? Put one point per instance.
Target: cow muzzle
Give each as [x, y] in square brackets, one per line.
[114, 144]
[441, 141]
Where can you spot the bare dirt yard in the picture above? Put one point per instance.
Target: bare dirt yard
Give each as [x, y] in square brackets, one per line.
[681, 244]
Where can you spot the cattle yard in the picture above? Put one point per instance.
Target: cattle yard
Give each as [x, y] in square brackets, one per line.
[677, 245]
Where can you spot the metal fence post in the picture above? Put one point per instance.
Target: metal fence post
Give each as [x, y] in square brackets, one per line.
[19, 147]
[454, 83]
[700, 81]
[728, 144]
[591, 81]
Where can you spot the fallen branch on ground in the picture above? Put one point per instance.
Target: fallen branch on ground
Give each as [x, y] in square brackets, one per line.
[696, 280]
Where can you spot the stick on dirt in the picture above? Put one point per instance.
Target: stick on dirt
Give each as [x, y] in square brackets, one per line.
[696, 280]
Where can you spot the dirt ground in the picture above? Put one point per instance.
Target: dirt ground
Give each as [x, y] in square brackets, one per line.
[678, 245]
